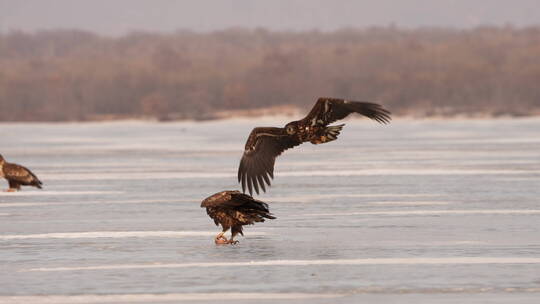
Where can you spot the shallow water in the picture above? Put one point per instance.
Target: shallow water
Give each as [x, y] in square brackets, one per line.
[416, 211]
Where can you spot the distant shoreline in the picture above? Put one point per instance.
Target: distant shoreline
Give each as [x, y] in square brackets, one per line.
[79, 76]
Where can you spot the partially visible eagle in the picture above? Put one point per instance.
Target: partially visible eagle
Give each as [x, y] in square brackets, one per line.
[232, 210]
[265, 144]
[18, 176]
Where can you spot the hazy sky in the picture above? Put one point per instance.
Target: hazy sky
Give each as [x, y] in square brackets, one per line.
[115, 17]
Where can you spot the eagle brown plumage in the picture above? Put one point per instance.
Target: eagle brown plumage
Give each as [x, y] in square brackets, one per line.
[232, 210]
[18, 176]
[265, 144]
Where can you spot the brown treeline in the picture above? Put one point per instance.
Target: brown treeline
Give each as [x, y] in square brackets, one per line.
[74, 75]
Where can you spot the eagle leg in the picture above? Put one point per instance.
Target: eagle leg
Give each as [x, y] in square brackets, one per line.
[231, 240]
[13, 186]
[234, 231]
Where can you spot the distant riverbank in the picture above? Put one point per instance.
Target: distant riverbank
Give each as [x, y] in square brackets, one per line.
[80, 76]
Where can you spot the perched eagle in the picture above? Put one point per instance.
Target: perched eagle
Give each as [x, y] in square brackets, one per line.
[232, 210]
[18, 176]
[265, 144]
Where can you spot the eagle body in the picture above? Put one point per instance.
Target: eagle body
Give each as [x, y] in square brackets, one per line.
[232, 210]
[312, 131]
[264, 144]
[18, 176]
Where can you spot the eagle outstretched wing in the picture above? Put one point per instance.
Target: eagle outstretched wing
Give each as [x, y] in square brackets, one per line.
[327, 110]
[257, 164]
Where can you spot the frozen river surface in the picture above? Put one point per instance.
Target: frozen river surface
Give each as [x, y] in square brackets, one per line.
[412, 212]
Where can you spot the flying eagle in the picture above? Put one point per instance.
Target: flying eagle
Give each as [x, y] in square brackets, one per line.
[265, 144]
[18, 176]
[232, 210]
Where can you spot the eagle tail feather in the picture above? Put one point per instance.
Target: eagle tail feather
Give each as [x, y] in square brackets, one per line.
[330, 134]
